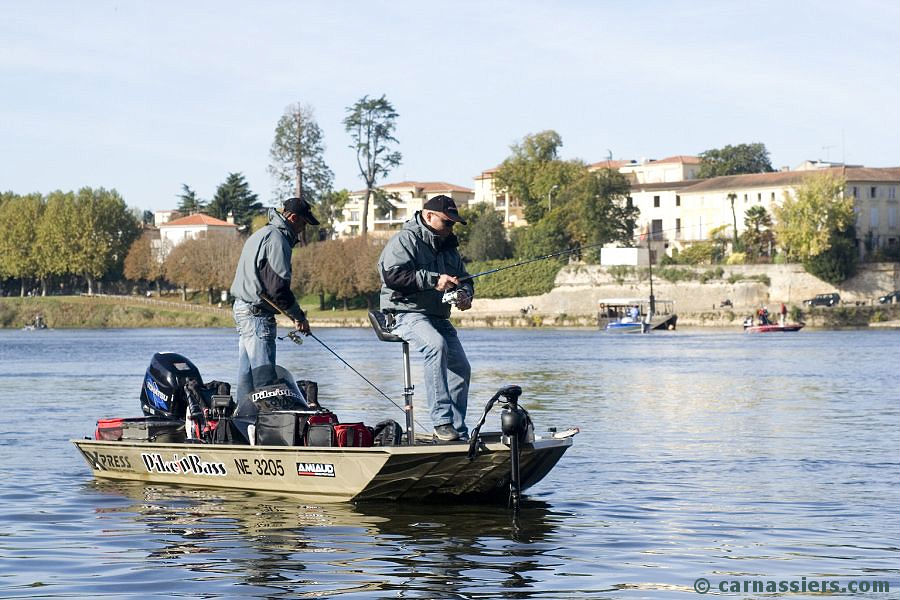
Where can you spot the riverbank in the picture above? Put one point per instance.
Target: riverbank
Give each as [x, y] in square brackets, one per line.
[99, 312]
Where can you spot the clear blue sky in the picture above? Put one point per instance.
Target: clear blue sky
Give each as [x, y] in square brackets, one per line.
[145, 96]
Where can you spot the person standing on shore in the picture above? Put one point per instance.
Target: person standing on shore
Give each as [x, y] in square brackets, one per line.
[783, 314]
[417, 266]
[264, 273]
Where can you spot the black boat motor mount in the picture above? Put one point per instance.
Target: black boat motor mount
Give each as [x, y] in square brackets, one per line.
[517, 429]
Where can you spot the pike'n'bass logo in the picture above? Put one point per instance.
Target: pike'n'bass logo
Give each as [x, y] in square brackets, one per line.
[315, 469]
[189, 464]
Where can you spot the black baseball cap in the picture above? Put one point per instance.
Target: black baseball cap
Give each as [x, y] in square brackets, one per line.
[300, 207]
[444, 204]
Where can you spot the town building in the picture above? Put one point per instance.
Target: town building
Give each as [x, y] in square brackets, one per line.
[676, 208]
[486, 192]
[193, 227]
[400, 202]
[707, 204]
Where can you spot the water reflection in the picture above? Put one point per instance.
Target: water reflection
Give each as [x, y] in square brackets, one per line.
[289, 548]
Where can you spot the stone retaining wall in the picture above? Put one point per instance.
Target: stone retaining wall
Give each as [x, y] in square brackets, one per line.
[579, 288]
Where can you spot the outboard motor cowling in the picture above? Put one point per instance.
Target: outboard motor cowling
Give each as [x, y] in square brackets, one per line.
[163, 392]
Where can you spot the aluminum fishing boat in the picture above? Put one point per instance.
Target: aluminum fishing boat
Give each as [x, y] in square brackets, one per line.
[277, 438]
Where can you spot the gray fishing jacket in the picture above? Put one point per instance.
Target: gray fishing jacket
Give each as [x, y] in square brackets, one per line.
[410, 265]
[265, 266]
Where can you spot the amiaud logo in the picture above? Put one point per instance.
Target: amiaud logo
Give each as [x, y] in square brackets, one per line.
[315, 469]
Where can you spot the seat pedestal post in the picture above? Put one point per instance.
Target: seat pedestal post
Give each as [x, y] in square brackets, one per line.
[408, 397]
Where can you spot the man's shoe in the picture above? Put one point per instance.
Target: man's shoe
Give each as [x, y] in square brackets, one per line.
[445, 433]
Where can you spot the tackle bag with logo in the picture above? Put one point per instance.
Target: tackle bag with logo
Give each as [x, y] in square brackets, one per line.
[353, 435]
[320, 429]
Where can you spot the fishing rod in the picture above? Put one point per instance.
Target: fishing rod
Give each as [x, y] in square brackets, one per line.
[294, 337]
[531, 260]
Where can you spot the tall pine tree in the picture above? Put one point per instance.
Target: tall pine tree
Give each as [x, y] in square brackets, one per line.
[234, 196]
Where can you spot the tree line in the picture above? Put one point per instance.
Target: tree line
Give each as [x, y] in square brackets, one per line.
[64, 237]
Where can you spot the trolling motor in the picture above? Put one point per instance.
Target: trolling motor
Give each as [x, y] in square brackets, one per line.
[515, 423]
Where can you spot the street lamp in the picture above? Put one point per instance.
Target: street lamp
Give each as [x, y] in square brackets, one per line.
[555, 187]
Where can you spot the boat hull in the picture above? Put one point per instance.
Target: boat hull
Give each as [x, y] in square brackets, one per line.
[774, 328]
[396, 473]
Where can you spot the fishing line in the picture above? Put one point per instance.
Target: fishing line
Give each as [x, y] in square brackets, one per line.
[294, 337]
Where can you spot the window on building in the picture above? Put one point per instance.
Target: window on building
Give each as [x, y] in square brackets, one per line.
[656, 230]
[759, 197]
[677, 200]
[354, 215]
[745, 198]
[892, 193]
[892, 216]
[873, 192]
[855, 192]
[772, 199]
[501, 202]
[629, 202]
[677, 229]
[873, 217]
[655, 201]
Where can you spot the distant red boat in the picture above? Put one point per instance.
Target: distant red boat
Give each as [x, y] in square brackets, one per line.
[774, 328]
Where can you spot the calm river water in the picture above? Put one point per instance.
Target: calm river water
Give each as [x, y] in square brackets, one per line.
[712, 455]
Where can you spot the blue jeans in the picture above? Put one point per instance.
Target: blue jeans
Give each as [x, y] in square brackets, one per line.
[256, 344]
[447, 370]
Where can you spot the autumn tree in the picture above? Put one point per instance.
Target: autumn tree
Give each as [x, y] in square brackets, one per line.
[143, 261]
[815, 226]
[371, 123]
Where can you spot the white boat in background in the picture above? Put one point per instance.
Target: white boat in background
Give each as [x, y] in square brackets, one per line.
[635, 315]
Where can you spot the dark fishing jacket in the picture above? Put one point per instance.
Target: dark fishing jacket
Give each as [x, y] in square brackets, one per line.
[410, 265]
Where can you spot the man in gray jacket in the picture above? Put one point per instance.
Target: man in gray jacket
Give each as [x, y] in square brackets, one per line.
[417, 266]
[264, 270]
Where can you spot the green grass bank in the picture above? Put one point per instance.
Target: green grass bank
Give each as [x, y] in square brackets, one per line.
[90, 312]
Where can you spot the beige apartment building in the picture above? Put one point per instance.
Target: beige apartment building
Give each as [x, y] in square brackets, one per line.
[403, 199]
[706, 204]
[486, 192]
[677, 209]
